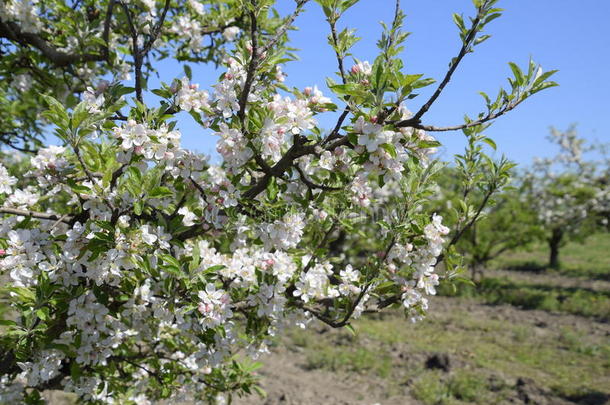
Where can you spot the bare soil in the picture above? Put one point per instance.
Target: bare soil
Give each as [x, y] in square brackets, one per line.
[288, 380]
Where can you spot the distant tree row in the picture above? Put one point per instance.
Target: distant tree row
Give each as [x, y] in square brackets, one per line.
[555, 200]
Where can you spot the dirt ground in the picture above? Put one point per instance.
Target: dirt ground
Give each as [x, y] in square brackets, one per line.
[288, 380]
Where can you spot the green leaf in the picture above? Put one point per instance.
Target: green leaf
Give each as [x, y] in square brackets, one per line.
[78, 188]
[134, 173]
[75, 370]
[390, 149]
[459, 21]
[42, 313]
[214, 269]
[423, 83]
[272, 189]
[160, 192]
[517, 72]
[481, 39]
[7, 322]
[137, 207]
[121, 90]
[490, 142]
[162, 93]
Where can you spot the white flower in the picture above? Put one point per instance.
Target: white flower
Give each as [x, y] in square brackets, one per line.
[190, 98]
[189, 30]
[371, 135]
[189, 217]
[93, 101]
[23, 198]
[428, 282]
[197, 6]
[132, 134]
[148, 237]
[284, 234]
[316, 96]
[349, 276]
[315, 284]
[214, 306]
[6, 181]
[23, 11]
[327, 160]
[50, 158]
[230, 33]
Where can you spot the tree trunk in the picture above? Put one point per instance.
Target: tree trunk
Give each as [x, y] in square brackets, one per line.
[554, 243]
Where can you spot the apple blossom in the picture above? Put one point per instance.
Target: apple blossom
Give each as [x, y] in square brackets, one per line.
[139, 268]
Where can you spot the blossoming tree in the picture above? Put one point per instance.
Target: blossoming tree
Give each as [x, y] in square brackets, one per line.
[138, 269]
[568, 192]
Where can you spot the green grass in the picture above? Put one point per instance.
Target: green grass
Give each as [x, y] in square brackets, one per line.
[595, 304]
[463, 386]
[341, 354]
[482, 351]
[588, 259]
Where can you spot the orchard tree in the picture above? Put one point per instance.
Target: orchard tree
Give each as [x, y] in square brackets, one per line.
[504, 224]
[139, 270]
[568, 192]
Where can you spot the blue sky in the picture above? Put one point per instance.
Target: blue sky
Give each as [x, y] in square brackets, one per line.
[573, 37]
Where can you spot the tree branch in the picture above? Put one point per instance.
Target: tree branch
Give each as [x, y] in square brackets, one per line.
[13, 32]
[413, 123]
[454, 64]
[311, 184]
[137, 56]
[243, 98]
[156, 30]
[37, 215]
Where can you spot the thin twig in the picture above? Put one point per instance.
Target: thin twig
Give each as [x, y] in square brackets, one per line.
[35, 214]
[156, 30]
[311, 184]
[243, 98]
[137, 59]
[474, 29]
[413, 123]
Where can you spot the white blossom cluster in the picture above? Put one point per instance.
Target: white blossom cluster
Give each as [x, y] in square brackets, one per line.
[190, 98]
[422, 261]
[25, 12]
[158, 144]
[135, 280]
[566, 189]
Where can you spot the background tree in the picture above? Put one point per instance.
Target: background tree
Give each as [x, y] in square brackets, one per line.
[506, 225]
[568, 192]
